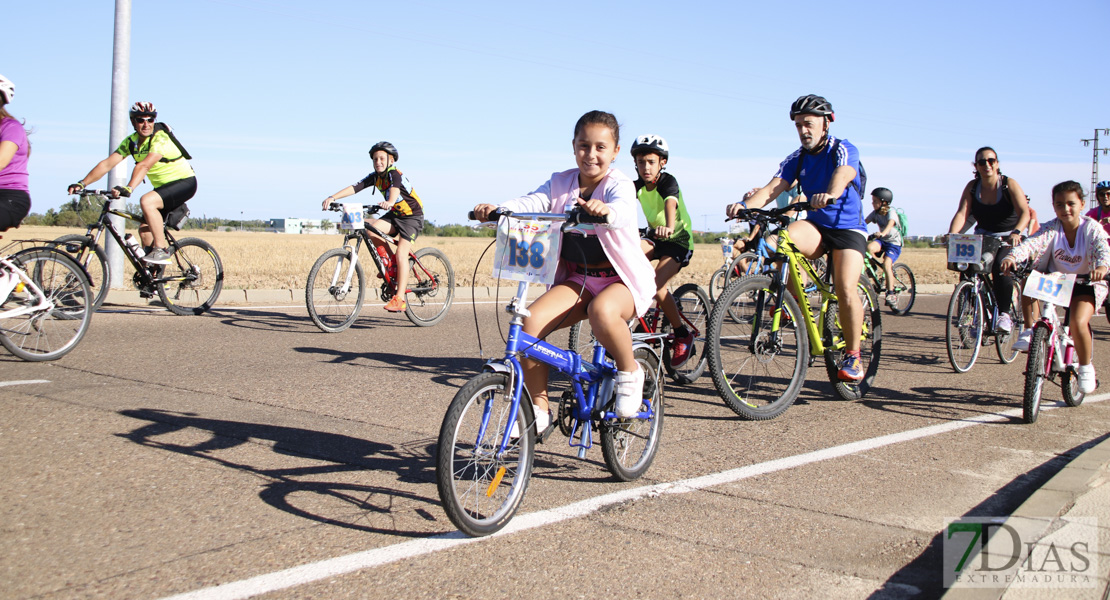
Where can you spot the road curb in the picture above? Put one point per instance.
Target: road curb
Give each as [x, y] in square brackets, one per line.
[1044, 511]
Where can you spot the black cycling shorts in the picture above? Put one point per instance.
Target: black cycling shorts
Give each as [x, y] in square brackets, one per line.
[679, 252]
[14, 206]
[408, 227]
[842, 239]
[176, 193]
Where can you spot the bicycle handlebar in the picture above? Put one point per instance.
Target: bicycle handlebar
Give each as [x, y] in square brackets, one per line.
[338, 207]
[770, 214]
[574, 217]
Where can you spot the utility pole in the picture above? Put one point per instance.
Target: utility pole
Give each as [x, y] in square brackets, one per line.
[705, 222]
[1094, 163]
[121, 75]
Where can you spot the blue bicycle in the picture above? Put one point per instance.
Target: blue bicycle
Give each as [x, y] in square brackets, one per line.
[755, 262]
[487, 439]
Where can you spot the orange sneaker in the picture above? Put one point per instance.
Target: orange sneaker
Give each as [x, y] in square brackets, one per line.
[395, 304]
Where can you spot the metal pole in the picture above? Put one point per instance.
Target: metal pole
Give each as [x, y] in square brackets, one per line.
[119, 128]
[1094, 164]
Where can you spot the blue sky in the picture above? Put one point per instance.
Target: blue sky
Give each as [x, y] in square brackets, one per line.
[279, 101]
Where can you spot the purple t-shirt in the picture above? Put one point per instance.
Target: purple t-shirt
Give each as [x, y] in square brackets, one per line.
[14, 176]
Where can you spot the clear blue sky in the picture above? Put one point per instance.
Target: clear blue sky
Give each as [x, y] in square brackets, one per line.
[279, 101]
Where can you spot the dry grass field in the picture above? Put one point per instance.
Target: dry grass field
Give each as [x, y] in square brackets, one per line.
[280, 261]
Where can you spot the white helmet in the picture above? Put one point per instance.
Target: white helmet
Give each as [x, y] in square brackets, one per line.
[7, 89]
[650, 143]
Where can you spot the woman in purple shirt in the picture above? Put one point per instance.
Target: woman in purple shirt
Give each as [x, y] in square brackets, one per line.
[15, 200]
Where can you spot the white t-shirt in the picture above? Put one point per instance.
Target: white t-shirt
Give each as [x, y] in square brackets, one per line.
[1063, 258]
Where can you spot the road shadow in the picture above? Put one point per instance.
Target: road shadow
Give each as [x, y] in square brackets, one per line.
[924, 572]
[447, 370]
[284, 322]
[945, 404]
[299, 490]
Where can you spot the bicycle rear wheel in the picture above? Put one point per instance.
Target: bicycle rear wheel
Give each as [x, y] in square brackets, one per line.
[479, 486]
[758, 369]
[49, 333]
[431, 287]
[870, 349]
[92, 259]
[191, 283]
[694, 304]
[1035, 368]
[964, 327]
[334, 303]
[905, 287]
[629, 445]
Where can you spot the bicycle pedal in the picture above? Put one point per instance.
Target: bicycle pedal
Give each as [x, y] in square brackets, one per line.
[546, 433]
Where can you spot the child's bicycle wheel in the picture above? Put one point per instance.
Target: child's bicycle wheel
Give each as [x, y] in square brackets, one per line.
[431, 287]
[480, 486]
[1035, 369]
[695, 305]
[905, 287]
[758, 370]
[333, 303]
[870, 345]
[629, 445]
[717, 283]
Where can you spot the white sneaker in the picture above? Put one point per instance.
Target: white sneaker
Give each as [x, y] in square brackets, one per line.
[1005, 323]
[543, 420]
[1087, 381]
[630, 392]
[1021, 344]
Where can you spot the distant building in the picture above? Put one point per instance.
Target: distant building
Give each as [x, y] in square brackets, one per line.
[310, 226]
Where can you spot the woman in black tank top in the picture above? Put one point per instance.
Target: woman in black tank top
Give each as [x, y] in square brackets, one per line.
[998, 205]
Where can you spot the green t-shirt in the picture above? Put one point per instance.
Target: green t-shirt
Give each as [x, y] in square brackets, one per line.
[162, 172]
[655, 208]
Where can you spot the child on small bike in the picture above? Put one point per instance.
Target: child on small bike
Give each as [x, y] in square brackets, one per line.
[405, 218]
[1071, 243]
[887, 243]
[616, 281]
[661, 200]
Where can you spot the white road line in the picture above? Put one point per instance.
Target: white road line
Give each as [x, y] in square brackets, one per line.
[376, 557]
[23, 382]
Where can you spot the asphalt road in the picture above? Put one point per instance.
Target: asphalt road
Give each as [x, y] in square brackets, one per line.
[167, 455]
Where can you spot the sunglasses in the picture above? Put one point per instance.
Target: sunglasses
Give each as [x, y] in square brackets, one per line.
[144, 119]
[982, 162]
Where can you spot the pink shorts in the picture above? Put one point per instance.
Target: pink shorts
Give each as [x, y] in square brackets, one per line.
[591, 284]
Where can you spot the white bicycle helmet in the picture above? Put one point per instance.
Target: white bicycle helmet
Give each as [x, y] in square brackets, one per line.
[650, 143]
[144, 109]
[7, 89]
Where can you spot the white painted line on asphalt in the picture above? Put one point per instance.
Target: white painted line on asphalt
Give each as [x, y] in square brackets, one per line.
[376, 557]
[23, 382]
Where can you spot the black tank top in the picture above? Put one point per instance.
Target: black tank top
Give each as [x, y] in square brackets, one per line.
[998, 217]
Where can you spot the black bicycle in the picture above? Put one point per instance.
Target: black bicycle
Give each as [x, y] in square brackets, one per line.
[189, 285]
[973, 314]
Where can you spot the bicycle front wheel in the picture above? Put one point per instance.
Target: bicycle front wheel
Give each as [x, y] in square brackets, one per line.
[431, 287]
[50, 332]
[480, 486]
[870, 347]
[753, 265]
[694, 304]
[758, 367]
[964, 326]
[717, 283]
[629, 445]
[1035, 368]
[92, 259]
[905, 288]
[333, 302]
[190, 284]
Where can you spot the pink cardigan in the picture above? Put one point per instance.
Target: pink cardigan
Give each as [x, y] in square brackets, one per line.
[620, 239]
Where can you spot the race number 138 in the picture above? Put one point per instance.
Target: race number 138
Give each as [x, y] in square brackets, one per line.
[523, 254]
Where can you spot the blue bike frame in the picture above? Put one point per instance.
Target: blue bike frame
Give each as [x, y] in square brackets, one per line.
[585, 376]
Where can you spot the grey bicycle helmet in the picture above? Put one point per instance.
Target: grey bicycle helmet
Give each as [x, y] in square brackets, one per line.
[812, 104]
[650, 143]
[7, 89]
[387, 148]
[883, 194]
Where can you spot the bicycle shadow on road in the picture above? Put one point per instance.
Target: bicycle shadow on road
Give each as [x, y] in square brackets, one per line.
[922, 576]
[369, 508]
[284, 322]
[944, 404]
[447, 370]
